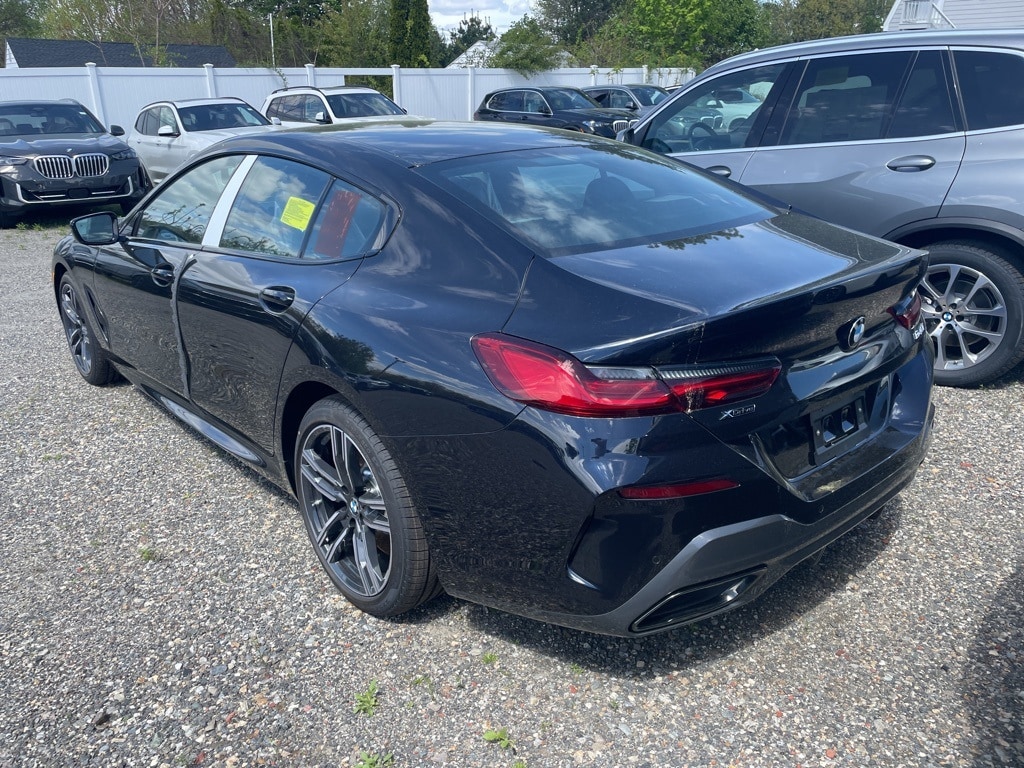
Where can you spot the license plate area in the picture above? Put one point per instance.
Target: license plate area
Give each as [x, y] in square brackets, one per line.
[835, 430]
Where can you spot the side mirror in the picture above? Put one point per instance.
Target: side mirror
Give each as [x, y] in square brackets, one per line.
[96, 228]
[116, 130]
[626, 135]
[275, 121]
[166, 130]
[322, 118]
[545, 110]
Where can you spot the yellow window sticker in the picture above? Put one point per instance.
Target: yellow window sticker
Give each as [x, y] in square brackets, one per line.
[297, 213]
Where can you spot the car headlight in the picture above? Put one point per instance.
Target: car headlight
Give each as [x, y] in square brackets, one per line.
[12, 160]
[591, 125]
[125, 154]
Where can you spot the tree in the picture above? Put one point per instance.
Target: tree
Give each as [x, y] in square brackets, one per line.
[356, 34]
[469, 31]
[16, 19]
[574, 21]
[697, 33]
[526, 48]
[409, 30]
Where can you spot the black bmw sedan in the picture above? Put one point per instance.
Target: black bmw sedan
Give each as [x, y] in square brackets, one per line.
[546, 372]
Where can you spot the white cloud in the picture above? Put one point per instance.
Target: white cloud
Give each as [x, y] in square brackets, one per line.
[500, 14]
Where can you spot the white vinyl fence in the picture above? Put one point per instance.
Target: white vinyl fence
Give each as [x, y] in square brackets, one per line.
[115, 94]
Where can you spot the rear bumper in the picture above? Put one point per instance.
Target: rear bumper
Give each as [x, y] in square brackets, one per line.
[724, 568]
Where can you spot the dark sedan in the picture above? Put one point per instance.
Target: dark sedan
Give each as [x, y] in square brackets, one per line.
[549, 373]
[552, 107]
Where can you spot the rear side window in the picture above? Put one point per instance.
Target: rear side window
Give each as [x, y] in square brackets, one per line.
[925, 108]
[274, 208]
[347, 225]
[509, 101]
[991, 86]
[845, 98]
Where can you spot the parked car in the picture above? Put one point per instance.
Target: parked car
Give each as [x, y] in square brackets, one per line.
[546, 372]
[56, 153]
[169, 133]
[554, 107]
[734, 104]
[303, 105]
[638, 98]
[914, 137]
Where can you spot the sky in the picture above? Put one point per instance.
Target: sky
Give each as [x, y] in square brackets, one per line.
[447, 14]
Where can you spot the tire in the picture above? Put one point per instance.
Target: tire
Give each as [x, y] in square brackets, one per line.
[89, 358]
[358, 513]
[973, 307]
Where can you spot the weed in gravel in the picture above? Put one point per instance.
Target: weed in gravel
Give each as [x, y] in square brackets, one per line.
[489, 657]
[374, 760]
[366, 701]
[500, 737]
[148, 554]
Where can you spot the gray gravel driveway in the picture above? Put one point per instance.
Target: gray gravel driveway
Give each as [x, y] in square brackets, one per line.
[160, 606]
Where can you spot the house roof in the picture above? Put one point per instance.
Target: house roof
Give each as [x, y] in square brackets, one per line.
[25, 52]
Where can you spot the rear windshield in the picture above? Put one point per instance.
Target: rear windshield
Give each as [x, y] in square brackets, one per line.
[575, 199]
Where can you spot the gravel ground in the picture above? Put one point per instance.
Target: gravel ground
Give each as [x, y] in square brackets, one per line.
[160, 606]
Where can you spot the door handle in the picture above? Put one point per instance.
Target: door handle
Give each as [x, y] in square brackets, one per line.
[277, 298]
[911, 163]
[162, 275]
[720, 170]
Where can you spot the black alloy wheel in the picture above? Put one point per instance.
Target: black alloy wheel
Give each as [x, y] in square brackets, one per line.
[90, 360]
[358, 513]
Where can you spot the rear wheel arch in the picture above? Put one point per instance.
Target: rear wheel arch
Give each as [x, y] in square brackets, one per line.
[990, 256]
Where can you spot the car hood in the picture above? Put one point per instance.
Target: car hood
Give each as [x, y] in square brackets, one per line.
[62, 144]
[603, 114]
[212, 137]
[773, 286]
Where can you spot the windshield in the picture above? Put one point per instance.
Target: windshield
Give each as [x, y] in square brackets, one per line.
[649, 95]
[362, 105]
[576, 199]
[32, 119]
[566, 98]
[213, 117]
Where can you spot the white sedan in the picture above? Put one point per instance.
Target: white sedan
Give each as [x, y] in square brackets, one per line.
[169, 133]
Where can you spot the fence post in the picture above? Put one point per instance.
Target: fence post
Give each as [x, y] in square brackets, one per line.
[211, 81]
[94, 90]
[471, 83]
[593, 74]
[396, 84]
[647, 74]
[310, 75]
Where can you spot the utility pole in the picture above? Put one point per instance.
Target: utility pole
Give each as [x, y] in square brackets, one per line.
[273, 58]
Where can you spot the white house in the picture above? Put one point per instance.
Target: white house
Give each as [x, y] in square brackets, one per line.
[954, 14]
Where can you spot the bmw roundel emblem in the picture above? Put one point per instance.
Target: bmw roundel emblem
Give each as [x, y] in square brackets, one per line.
[856, 332]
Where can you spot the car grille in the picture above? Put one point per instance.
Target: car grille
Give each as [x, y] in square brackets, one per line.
[620, 125]
[65, 167]
[714, 122]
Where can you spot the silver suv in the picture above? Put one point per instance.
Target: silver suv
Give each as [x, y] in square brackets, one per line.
[305, 105]
[916, 137]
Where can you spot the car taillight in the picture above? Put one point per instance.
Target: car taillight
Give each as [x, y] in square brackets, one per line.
[547, 378]
[707, 386]
[908, 311]
[675, 490]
